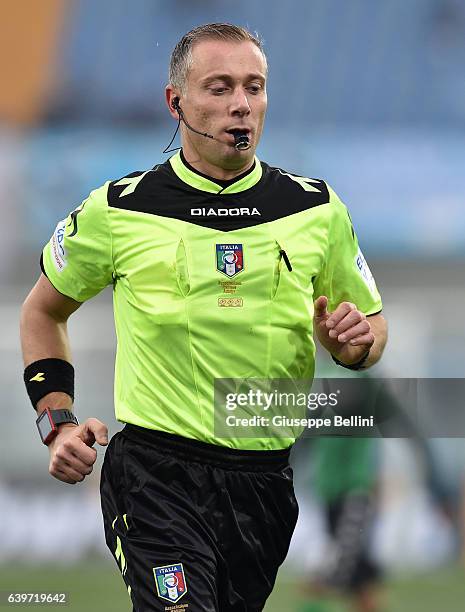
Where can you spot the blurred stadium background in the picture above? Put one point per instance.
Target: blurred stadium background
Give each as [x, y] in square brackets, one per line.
[368, 95]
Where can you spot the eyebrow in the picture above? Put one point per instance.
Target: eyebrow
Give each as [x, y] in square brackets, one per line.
[228, 77]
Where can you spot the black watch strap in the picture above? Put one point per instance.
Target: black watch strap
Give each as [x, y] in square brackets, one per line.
[63, 416]
[353, 366]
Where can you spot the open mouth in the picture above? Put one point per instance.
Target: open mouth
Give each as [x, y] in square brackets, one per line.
[239, 131]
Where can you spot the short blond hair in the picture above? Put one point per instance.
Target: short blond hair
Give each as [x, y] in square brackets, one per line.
[181, 57]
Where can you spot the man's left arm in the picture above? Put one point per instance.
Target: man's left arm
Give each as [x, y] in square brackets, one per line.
[348, 334]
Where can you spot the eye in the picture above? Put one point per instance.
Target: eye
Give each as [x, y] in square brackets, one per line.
[255, 88]
[217, 91]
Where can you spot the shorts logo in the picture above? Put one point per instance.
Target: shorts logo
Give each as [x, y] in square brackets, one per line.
[170, 581]
[229, 259]
[57, 245]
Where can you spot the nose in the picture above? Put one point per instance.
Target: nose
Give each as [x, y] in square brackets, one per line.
[240, 103]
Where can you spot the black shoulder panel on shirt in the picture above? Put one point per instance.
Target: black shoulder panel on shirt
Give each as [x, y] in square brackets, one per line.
[160, 192]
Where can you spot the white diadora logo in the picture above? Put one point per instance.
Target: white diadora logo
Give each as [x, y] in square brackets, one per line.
[223, 212]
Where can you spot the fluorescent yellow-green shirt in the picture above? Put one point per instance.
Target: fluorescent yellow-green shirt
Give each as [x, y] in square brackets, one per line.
[202, 288]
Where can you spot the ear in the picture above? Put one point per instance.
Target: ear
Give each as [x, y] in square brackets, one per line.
[170, 95]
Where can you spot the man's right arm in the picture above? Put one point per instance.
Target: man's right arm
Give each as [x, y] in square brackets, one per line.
[44, 317]
[44, 335]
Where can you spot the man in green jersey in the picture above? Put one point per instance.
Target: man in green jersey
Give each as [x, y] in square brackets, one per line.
[221, 266]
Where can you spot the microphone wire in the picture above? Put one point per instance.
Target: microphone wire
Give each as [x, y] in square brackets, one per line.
[241, 141]
[167, 148]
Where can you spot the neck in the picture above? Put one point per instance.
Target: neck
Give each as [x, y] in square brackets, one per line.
[211, 170]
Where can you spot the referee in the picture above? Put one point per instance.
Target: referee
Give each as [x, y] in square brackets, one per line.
[221, 266]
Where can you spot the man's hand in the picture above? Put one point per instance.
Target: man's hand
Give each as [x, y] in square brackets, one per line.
[345, 333]
[71, 454]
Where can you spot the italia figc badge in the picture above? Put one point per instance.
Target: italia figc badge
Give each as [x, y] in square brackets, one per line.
[229, 259]
[170, 581]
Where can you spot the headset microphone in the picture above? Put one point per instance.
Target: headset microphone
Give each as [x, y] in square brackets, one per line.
[178, 109]
[241, 140]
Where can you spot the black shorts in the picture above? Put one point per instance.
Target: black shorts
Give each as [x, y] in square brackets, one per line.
[193, 526]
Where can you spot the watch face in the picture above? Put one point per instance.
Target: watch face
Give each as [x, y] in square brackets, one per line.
[46, 426]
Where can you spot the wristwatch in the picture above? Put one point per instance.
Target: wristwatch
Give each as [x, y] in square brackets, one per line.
[48, 422]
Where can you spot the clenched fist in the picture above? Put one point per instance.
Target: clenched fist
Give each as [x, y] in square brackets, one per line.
[71, 454]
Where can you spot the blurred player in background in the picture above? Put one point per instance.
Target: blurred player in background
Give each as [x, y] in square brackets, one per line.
[220, 266]
[345, 482]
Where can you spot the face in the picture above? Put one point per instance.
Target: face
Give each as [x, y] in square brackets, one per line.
[225, 90]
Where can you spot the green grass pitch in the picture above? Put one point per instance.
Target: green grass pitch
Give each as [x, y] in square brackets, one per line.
[97, 586]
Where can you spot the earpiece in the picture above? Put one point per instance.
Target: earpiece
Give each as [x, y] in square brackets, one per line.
[175, 106]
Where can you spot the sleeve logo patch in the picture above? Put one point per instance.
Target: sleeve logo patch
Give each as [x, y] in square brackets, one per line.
[365, 272]
[170, 582]
[57, 246]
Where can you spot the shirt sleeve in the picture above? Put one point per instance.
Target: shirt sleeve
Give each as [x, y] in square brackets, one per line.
[345, 275]
[78, 258]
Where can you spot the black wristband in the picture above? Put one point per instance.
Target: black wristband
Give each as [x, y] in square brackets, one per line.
[353, 366]
[46, 376]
